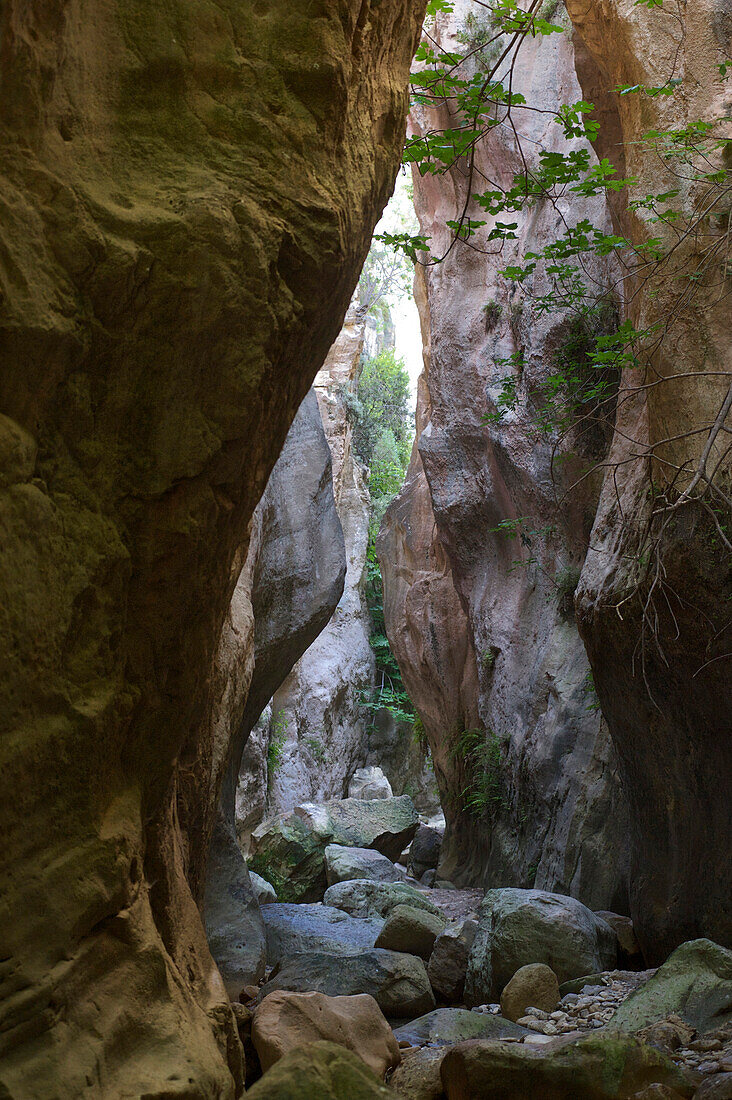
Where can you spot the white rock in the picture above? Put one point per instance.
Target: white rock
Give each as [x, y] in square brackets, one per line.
[369, 783]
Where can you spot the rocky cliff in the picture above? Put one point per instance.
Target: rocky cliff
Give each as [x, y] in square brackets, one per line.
[654, 596]
[479, 560]
[287, 591]
[187, 196]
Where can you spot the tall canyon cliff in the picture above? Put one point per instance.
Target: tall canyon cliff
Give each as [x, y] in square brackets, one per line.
[188, 192]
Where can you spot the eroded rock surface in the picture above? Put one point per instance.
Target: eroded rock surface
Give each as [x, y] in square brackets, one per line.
[483, 643]
[188, 193]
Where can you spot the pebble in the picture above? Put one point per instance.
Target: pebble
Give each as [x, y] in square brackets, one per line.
[708, 1067]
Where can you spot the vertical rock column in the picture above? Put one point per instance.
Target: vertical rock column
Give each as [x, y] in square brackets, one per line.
[187, 194]
[504, 666]
[653, 603]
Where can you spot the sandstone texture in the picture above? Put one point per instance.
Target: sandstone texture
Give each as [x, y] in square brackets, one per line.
[188, 192]
[286, 1021]
[660, 667]
[518, 927]
[485, 644]
[532, 985]
[320, 1071]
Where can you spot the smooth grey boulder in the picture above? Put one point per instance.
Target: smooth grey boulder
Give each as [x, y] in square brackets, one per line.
[397, 982]
[424, 851]
[343, 864]
[694, 983]
[518, 927]
[264, 891]
[449, 960]
[234, 926]
[411, 930]
[364, 898]
[446, 1026]
[292, 928]
[289, 851]
[369, 782]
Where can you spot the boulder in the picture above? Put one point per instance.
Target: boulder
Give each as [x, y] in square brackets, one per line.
[606, 1066]
[447, 1026]
[363, 898]
[411, 930]
[424, 851]
[319, 1071]
[534, 985]
[343, 864]
[449, 960]
[658, 1092]
[418, 1076]
[368, 783]
[517, 927]
[284, 1021]
[291, 928]
[629, 952]
[289, 851]
[695, 983]
[718, 1087]
[668, 1034]
[263, 891]
[398, 983]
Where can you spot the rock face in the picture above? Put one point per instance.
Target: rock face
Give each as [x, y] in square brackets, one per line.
[177, 258]
[483, 644]
[290, 850]
[317, 709]
[518, 927]
[669, 712]
[320, 1071]
[343, 864]
[286, 592]
[364, 898]
[286, 1021]
[449, 960]
[292, 928]
[397, 982]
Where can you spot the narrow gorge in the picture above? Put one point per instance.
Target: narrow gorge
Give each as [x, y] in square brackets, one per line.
[366, 557]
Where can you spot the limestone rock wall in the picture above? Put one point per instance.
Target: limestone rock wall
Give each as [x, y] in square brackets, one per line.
[286, 593]
[654, 596]
[484, 642]
[187, 194]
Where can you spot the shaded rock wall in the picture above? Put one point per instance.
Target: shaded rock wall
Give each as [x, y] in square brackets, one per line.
[484, 642]
[187, 196]
[663, 677]
[286, 593]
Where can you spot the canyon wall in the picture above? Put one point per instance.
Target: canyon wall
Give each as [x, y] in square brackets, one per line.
[480, 616]
[287, 591]
[653, 602]
[187, 197]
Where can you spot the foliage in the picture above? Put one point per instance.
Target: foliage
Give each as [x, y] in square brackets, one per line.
[381, 403]
[317, 749]
[482, 755]
[492, 311]
[276, 745]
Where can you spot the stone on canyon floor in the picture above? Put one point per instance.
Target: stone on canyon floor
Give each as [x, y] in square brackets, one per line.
[424, 851]
[289, 851]
[718, 1087]
[603, 1066]
[397, 982]
[517, 927]
[264, 891]
[629, 952]
[447, 1026]
[695, 983]
[343, 864]
[363, 898]
[284, 1021]
[418, 1077]
[368, 783]
[534, 985]
[319, 1071]
[315, 927]
[411, 930]
[449, 960]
